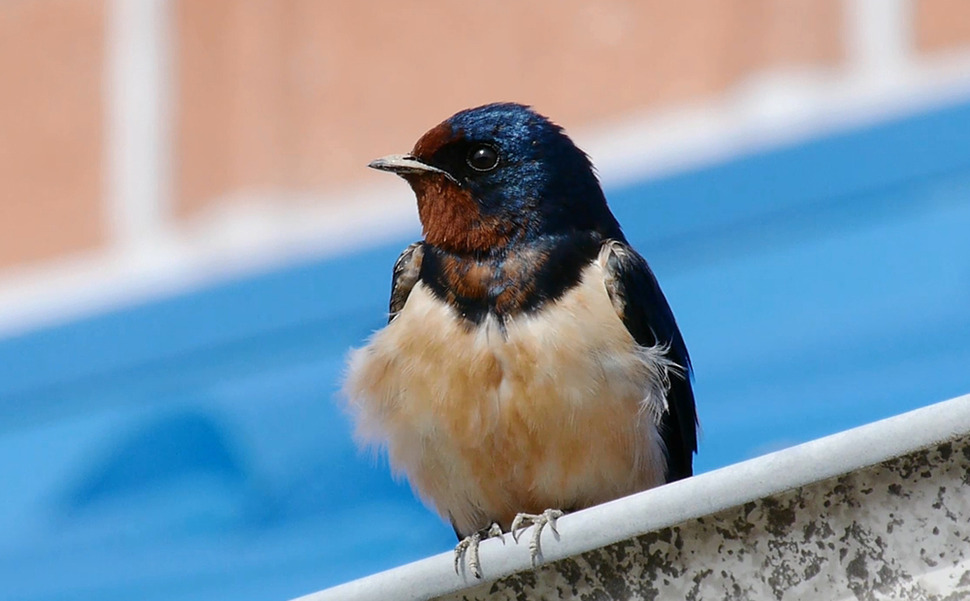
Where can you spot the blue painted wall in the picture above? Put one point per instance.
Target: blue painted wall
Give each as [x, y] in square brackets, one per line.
[193, 448]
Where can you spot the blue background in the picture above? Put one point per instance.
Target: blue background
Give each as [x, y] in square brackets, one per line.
[193, 447]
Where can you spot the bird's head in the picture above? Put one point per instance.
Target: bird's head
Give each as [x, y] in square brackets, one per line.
[497, 175]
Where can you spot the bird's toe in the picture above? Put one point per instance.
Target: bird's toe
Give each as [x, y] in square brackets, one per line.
[467, 549]
[539, 521]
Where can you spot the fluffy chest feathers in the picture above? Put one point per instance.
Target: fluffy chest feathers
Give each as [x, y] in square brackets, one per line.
[554, 408]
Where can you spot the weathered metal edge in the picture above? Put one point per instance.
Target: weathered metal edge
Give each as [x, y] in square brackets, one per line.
[674, 503]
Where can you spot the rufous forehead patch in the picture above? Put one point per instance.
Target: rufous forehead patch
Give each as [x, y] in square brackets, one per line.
[428, 144]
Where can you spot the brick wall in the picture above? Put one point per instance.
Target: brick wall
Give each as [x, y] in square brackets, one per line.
[300, 94]
[942, 25]
[51, 56]
[278, 96]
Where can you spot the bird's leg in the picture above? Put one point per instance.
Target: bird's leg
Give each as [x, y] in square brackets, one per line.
[469, 546]
[538, 521]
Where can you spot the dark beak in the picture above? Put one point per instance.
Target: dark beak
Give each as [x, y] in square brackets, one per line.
[405, 164]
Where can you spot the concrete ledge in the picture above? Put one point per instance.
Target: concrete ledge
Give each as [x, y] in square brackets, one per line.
[877, 512]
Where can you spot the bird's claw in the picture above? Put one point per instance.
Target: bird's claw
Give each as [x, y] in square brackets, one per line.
[539, 521]
[469, 546]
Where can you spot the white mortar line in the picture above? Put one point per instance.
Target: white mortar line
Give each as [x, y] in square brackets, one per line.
[138, 94]
[879, 37]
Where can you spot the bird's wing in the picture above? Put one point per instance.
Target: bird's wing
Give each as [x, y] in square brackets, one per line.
[407, 268]
[641, 305]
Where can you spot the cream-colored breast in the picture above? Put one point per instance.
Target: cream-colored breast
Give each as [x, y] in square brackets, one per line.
[558, 410]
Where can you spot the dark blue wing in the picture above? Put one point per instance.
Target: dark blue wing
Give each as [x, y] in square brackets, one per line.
[641, 305]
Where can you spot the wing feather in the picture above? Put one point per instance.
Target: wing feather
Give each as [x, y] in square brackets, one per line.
[641, 305]
[407, 270]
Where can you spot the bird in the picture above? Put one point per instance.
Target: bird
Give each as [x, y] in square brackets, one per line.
[531, 365]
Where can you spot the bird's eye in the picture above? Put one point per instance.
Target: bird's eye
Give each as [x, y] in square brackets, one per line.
[482, 158]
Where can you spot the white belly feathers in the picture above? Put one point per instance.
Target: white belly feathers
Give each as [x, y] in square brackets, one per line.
[559, 410]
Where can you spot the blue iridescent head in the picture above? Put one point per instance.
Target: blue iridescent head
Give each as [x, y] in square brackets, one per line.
[500, 174]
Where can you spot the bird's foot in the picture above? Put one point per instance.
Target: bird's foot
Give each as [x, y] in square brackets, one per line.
[469, 547]
[539, 521]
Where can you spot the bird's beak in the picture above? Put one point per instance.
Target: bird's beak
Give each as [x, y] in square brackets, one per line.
[404, 164]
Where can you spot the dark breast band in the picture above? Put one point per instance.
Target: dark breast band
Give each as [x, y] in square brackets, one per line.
[520, 279]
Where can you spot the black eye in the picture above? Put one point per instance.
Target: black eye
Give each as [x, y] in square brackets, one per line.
[482, 158]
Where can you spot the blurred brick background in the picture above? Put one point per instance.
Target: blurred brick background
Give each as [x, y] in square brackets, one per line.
[273, 96]
[51, 128]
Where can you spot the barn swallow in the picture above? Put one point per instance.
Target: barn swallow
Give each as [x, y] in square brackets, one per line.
[531, 364]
